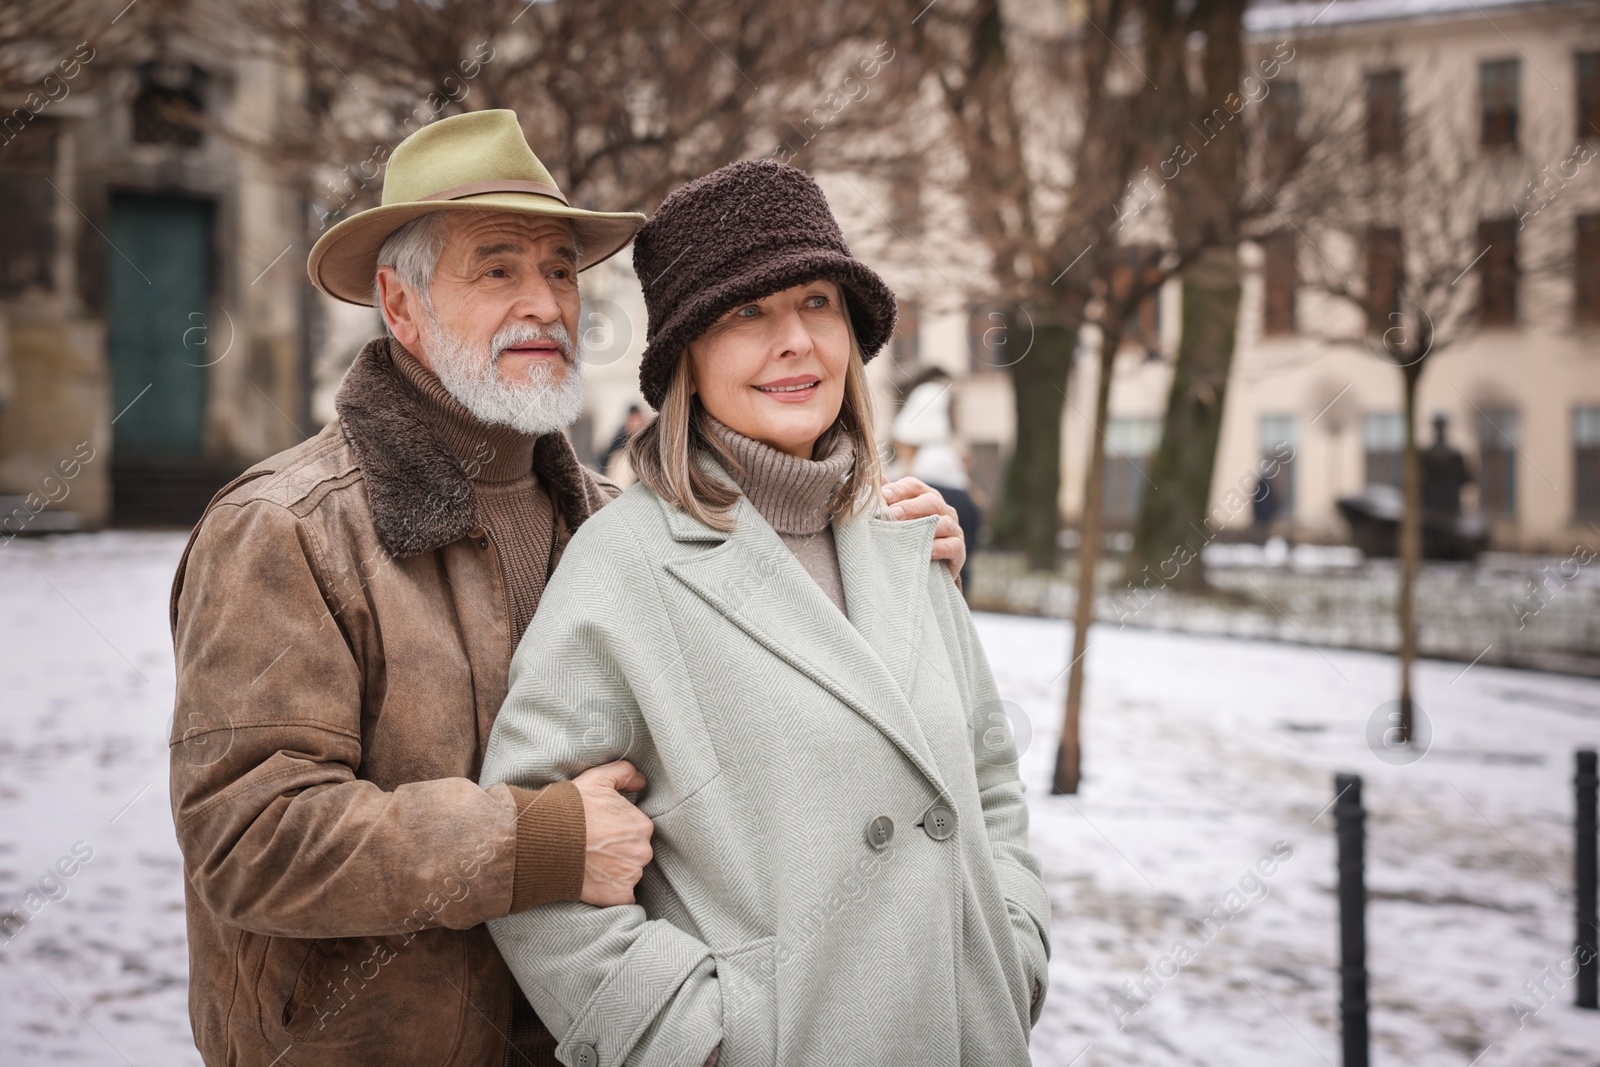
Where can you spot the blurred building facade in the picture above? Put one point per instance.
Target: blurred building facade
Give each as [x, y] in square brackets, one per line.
[152, 311]
[1521, 392]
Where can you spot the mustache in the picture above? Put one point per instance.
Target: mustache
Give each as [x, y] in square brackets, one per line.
[522, 332]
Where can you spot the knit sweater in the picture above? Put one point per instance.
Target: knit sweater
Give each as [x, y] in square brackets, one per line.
[519, 516]
[513, 502]
[792, 495]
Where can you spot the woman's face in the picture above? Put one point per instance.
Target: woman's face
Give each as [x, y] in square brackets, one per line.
[773, 369]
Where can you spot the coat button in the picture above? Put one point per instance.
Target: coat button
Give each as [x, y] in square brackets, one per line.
[939, 822]
[585, 1056]
[880, 831]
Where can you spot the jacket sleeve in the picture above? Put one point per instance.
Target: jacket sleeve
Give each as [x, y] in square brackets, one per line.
[638, 990]
[279, 834]
[1005, 812]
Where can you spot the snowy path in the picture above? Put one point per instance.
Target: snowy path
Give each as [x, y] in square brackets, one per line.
[1202, 755]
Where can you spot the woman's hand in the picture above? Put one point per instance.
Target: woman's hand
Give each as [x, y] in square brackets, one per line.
[911, 498]
[618, 834]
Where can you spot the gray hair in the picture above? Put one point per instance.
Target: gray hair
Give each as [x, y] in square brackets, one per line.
[413, 251]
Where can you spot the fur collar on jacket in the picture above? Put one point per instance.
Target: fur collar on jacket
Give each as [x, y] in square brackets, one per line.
[421, 497]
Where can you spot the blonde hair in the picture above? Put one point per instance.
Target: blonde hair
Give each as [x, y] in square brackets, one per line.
[665, 452]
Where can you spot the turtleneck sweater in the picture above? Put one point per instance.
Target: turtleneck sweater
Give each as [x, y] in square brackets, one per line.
[515, 506]
[792, 494]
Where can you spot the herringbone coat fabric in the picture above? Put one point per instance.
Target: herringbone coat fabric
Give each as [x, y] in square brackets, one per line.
[772, 732]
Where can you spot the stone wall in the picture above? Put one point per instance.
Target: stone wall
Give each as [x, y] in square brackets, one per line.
[55, 432]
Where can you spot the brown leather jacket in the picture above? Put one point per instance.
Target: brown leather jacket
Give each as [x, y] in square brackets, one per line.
[343, 638]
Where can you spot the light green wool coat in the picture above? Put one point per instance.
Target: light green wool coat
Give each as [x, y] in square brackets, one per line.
[772, 731]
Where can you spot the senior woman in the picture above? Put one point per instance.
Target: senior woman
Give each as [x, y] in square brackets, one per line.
[841, 871]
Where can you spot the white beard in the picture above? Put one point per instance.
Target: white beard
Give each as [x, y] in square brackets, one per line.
[539, 404]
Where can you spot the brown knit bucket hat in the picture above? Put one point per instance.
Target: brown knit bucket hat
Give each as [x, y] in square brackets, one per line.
[742, 232]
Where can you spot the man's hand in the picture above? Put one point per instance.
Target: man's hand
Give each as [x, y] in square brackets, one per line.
[910, 498]
[618, 834]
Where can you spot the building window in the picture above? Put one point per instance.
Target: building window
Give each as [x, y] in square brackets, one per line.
[1498, 432]
[1282, 116]
[169, 107]
[1586, 269]
[1280, 437]
[1498, 95]
[905, 347]
[1130, 446]
[1280, 278]
[1384, 119]
[1383, 440]
[1497, 272]
[1385, 275]
[1586, 459]
[1588, 64]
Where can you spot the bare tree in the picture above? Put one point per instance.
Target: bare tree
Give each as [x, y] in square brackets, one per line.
[1047, 125]
[1199, 207]
[1052, 200]
[1123, 290]
[35, 36]
[1239, 132]
[52, 48]
[1201, 115]
[1414, 238]
[623, 99]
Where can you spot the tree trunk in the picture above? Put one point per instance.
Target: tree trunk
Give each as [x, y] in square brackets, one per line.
[1204, 202]
[1069, 758]
[1410, 547]
[1028, 517]
[1172, 512]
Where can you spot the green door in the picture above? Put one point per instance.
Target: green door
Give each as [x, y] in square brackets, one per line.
[160, 297]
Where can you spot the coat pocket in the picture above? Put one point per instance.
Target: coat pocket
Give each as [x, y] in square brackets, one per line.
[747, 976]
[289, 972]
[368, 999]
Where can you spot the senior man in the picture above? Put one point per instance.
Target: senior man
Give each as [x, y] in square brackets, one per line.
[344, 618]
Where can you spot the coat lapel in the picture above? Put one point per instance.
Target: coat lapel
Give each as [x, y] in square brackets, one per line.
[883, 564]
[752, 579]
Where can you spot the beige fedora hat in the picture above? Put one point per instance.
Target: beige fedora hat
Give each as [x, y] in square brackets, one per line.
[478, 161]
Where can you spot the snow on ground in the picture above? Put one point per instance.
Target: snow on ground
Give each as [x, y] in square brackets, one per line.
[99, 974]
[1203, 756]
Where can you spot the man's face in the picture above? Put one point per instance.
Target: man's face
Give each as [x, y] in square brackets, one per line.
[504, 312]
[500, 271]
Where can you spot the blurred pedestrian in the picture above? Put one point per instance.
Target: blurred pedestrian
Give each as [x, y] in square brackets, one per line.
[1444, 473]
[924, 438]
[1263, 507]
[615, 464]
